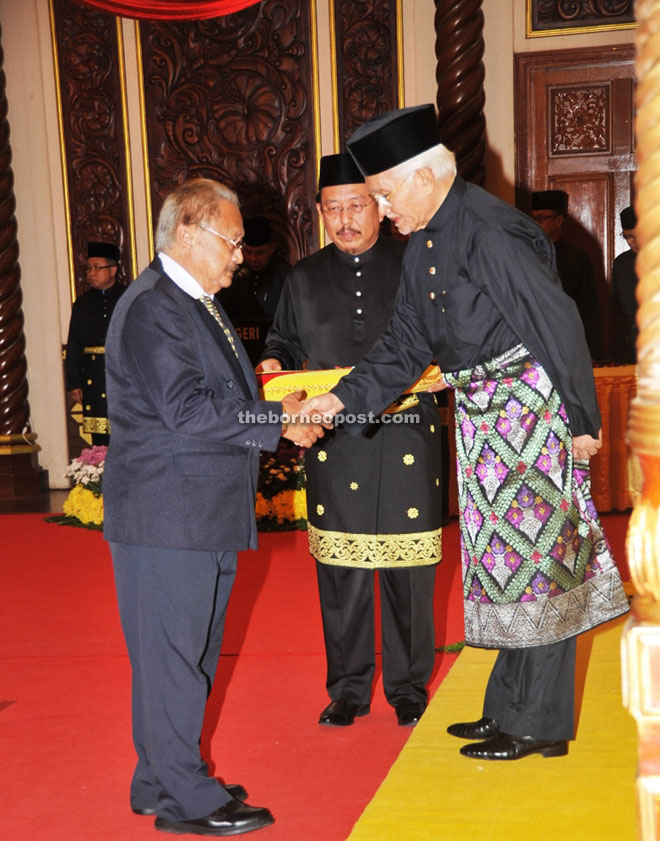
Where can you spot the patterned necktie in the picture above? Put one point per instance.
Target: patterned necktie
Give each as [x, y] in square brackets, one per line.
[211, 307]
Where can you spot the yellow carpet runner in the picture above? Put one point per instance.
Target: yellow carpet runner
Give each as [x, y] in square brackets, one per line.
[432, 793]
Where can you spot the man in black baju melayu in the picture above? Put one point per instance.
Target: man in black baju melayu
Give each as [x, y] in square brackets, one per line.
[373, 504]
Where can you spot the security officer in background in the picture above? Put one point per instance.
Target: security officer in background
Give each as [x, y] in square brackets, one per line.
[85, 347]
[549, 208]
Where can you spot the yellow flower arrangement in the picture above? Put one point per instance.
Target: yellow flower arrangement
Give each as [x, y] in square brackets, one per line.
[84, 505]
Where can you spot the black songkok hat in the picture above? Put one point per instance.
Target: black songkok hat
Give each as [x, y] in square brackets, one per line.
[550, 200]
[339, 169]
[103, 249]
[257, 231]
[390, 139]
[628, 218]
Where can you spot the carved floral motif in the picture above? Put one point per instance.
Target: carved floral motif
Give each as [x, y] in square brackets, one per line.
[90, 96]
[366, 60]
[229, 99]
[580, 120]
[550, 14]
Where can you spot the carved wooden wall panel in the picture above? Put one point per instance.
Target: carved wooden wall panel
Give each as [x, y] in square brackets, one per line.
[579, 120]
[367, 57]
[560, 14]
[231, 99]
[91, 102]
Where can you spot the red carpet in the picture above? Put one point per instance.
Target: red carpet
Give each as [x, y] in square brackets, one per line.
[64, 692]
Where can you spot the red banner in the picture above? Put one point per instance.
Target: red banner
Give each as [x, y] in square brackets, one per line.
[169, 9]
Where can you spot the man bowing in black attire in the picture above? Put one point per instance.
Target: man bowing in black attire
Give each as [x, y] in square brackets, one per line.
[373, 504]
[481, 296]
[179, 489]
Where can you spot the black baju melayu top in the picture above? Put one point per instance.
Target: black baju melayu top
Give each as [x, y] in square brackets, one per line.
[624, 290]
[577, 279]
[374, 502]
[85, 353]
[479, 279]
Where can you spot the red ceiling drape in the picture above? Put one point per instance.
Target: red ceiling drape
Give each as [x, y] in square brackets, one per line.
[169, 9]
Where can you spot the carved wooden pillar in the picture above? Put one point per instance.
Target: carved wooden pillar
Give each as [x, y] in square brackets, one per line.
[459, 49]
[641, 639]
[21, 481]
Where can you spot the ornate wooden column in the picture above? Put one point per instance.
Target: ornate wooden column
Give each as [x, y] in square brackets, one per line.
[641, 639]
[459, 49]
[22, 482]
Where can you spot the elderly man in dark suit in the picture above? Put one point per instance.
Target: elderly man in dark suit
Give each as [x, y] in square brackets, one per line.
[179, 490]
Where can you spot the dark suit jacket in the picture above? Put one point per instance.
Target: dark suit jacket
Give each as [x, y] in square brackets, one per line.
[181, 470]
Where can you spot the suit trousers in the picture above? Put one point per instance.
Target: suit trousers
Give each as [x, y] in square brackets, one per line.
[172, 605]
[407, 628]
[531, 691]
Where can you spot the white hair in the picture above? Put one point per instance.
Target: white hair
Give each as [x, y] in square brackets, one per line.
[192, 203]
[438, 159]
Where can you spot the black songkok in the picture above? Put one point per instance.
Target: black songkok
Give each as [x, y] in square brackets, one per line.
[390, 139]
[550, 200]
[339, 169]
[257, 231]
[628, 218]
[103, 249]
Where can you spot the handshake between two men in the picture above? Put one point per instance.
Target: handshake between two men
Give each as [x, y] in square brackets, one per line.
[304, 421]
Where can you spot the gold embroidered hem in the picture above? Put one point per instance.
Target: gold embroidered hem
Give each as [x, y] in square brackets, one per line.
[97, 426]
[374, 551]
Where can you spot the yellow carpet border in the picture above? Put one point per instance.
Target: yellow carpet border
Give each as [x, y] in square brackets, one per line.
[432, 793]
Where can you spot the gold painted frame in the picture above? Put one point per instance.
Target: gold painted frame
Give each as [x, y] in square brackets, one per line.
[530, 32]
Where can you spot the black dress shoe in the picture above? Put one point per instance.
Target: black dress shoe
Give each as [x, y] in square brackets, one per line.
[233, 818]
[235, 789]
[482, 729]
[504, 746]
[409, 713]
[341, 713]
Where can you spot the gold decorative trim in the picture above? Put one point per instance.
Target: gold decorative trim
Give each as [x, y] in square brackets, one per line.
[18, 443]
[130, 198]
[399, 52]
[99, 426]
[98, 349]
[375, 551]
[60, 128]
[145, 142]
[336, 140]
[316, 88]
[568, 30]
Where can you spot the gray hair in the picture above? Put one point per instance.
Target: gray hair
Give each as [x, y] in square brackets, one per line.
[438, 159]
[193, 203]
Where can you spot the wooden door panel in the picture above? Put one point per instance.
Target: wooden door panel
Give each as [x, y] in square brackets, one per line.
[575, 132]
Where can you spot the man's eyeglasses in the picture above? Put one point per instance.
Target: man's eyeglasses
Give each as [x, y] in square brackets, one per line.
[355, 208]
[92, 269]
[236, 244]
[385, 198]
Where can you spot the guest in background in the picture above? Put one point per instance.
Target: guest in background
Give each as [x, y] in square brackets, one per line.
[373, 504]
[85, 347]
[549, 209]
[624, 289]
[251, 300]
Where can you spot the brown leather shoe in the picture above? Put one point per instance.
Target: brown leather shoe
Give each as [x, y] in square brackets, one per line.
[504, 746]
[482, 729]
[233, 818]
[341, 713]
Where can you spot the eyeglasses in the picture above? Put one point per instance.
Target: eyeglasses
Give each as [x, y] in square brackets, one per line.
[91, 269]
[386, 198]
[355, 208]
[236, 244]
